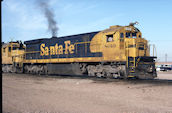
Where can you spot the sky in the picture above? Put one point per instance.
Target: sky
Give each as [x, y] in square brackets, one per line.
[23, 20]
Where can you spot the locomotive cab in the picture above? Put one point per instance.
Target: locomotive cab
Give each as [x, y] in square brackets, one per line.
[12, 54]
[125, 45]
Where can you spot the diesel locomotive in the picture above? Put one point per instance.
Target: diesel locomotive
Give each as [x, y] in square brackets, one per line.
[116, 52]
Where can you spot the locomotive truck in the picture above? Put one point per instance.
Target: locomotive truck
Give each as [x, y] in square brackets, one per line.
[116, 52]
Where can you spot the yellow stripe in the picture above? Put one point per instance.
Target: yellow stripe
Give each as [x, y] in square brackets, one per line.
[131, 76]
[81, 43]
[147, 63]
[65, 60]
[32, 52]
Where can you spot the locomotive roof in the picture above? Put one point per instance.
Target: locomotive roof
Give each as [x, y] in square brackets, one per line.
[4, 44]
[7, 44]
[62, 37]
[111, 29]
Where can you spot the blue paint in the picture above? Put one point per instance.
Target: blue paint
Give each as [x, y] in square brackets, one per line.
[81, 50]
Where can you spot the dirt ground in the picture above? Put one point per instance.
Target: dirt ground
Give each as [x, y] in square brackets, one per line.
[36, 94]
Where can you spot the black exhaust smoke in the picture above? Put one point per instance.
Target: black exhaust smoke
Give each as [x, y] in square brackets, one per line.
[49, 14]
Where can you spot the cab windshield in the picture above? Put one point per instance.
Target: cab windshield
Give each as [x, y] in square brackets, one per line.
[130, 35]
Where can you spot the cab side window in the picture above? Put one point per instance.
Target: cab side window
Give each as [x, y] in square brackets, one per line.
[121, 36]
[127, 35]
[134, 35]
[139, 36]
[14, 48]
[109, 38]
[4, 50]
[9, 49]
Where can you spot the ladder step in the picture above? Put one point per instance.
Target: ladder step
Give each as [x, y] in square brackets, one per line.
[132, 71]
[130, 76]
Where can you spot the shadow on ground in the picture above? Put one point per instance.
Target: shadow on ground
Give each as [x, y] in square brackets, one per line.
[102, 80]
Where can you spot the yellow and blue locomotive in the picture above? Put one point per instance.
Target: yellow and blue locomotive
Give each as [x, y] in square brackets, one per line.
[119, 51]
[12, 56]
